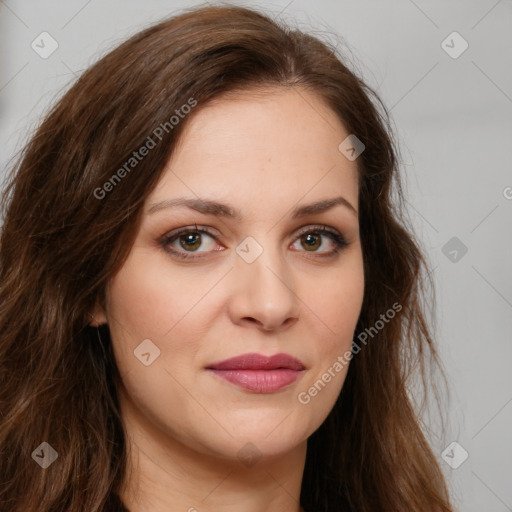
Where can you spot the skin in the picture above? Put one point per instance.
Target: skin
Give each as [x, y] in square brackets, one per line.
[185, 425]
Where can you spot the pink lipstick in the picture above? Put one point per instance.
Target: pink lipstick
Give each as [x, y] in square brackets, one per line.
[259, 373]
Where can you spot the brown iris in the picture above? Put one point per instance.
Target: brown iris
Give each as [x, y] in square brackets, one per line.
[309, 237]
[187, 237]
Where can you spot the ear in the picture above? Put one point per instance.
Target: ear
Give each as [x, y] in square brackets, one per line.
[98, 316]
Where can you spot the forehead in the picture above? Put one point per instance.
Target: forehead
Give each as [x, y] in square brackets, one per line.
[271, 146]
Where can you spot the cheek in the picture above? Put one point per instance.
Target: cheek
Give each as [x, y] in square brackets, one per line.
[339, 303]
[150, 298]
[335, 310]
[146, 302]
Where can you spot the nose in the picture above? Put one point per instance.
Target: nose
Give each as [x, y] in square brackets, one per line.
[263, 292]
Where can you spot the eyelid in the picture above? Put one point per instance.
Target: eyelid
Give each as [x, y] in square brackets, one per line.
[334, 234]
[169, 237]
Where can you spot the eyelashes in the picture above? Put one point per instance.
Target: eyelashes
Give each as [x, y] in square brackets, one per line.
[191, 238]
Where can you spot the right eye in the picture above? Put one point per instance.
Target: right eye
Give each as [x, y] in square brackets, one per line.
[179, 242]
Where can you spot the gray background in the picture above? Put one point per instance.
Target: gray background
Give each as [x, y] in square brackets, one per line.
[454, 121]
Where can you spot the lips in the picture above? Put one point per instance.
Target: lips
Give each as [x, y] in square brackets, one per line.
[259, 373]
[255, 361]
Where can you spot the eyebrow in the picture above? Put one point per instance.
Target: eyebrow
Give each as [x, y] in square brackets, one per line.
[209, 207]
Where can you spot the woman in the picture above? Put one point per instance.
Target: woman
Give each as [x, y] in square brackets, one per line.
[208, 299]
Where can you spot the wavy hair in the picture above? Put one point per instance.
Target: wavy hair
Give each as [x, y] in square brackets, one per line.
[61, 243]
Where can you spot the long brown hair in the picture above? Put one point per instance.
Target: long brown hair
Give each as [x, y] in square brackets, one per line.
[66, 233]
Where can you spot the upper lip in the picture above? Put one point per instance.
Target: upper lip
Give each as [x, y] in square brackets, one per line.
[253, 361]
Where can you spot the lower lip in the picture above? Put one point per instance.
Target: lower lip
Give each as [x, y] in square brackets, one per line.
[260, 381]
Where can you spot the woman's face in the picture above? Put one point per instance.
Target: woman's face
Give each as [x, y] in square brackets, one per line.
[263, 281]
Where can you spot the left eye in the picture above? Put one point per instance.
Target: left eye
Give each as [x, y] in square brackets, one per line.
[312, 239]
[190, 241]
